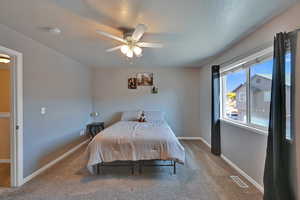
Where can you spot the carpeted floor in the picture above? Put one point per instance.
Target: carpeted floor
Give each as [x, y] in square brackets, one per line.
[204, 177]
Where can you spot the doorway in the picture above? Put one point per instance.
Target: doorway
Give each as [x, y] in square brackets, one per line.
[5, 120]
[11, 118]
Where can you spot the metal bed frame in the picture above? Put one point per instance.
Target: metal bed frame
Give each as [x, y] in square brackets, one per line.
[132, 164]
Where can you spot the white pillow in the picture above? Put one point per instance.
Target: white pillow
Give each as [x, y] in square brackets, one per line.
[130, 116]
[154, 115]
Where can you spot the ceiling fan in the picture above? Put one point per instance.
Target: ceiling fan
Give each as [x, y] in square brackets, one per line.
[131, 41]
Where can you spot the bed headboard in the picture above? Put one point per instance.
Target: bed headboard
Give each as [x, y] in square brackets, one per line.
[151, 115]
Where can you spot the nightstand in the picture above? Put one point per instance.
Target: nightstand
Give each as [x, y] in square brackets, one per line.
[94, 128]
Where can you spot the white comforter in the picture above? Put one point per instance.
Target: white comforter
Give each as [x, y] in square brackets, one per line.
[133, 141]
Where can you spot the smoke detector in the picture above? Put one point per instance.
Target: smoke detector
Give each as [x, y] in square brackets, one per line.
[54, 31]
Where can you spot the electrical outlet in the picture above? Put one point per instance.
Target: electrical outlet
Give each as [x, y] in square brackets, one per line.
[82, 132]
[43, 110]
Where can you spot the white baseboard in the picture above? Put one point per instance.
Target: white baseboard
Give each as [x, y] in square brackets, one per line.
[4, 160]
[244, 174]
[205, 142]
[53, 162]
[189, 138]
[239, 170]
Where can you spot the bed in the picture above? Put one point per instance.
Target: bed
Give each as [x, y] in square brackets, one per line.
[135, 143]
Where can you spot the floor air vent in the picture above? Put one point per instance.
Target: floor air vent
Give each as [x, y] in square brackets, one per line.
[239, 182]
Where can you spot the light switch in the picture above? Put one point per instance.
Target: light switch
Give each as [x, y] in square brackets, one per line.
[43, 110]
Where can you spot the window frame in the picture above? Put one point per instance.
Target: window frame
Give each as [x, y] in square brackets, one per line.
[292, 92]
[245, 64]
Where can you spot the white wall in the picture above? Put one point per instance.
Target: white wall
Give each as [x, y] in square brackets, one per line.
[246, 149]
[58, 83]
[178, 96]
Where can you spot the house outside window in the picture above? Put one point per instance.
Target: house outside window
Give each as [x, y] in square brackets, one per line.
[267, 96]
[242, 96]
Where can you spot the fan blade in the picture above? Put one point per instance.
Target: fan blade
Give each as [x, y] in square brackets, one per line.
[149, 45]
[111, 36]
[139, 32]
[114, 48]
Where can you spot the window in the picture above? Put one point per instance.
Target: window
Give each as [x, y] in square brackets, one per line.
[246, 92]
[288, 84]
[260, 92]
[234, 96]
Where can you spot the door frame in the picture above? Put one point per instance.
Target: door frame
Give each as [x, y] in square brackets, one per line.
[16, 128]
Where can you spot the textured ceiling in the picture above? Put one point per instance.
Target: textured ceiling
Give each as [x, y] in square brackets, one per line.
[191, 30]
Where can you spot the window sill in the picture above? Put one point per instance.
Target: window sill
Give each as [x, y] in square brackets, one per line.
[244, 126]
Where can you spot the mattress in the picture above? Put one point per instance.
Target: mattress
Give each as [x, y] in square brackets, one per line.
[133, 141]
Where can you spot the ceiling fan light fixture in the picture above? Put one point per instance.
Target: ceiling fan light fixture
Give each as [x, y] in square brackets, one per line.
[125, 49]
[131, 45]
[129, 53]
[137, 51]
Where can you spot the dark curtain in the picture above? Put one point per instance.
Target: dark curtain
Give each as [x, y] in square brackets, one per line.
[277, 175]
[215, 111]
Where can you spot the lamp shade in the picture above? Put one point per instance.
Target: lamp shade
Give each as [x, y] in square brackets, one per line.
[137, 51]
[124, 49]
[129, 53]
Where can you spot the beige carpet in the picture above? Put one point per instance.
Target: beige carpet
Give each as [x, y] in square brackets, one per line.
[204, 177]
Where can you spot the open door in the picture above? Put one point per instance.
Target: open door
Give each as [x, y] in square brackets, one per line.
[5, 123]
[11, 118]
